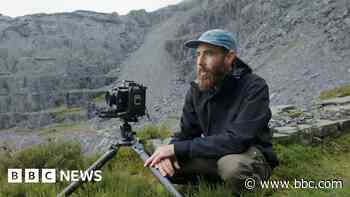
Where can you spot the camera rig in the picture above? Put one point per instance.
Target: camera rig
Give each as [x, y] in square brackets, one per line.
[127, 102]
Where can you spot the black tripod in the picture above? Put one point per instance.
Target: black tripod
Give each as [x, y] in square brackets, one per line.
[128, 139]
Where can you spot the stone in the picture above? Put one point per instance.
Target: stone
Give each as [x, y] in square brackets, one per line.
[327, 128]
[287, 130]
[280, 135]
[331, 108]
[336, 101]
[282, 108]
[344, 125]
[304, 127]
[314, 75]
[284, 138]
[345, 109]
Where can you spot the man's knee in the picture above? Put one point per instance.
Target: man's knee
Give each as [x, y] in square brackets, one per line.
[241, 166]
[231, 166]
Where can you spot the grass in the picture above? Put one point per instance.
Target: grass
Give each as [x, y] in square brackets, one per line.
[61, 127]
[125, 175]
[336, 92]
[154, 132]
[61, 112]
[100, 99]
[329, 160]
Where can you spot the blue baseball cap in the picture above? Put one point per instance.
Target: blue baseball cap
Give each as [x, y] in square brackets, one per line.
[216, 37]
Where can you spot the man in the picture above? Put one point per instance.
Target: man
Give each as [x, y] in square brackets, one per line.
[224, 125]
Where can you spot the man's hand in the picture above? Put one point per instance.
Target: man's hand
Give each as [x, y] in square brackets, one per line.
[163, 152]
[166, 166]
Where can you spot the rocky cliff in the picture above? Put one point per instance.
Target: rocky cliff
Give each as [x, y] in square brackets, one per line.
[44, 56]
[300, 47]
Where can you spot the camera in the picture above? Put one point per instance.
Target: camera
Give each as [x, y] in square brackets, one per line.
[126, 101]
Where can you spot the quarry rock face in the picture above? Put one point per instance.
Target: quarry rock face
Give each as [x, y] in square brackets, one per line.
[42, 57]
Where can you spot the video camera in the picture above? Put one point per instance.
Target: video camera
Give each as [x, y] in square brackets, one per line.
[127, 101]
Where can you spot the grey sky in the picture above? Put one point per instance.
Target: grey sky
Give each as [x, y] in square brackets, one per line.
[15, 8]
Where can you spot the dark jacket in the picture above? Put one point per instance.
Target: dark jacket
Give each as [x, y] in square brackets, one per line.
[228, 119]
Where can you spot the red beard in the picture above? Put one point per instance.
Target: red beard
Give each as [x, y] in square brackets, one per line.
[208, 79]
[205, 80]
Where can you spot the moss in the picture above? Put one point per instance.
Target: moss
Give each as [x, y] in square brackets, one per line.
[336, 92]
[295, 113]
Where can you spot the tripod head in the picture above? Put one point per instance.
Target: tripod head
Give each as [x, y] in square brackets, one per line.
[128, 136]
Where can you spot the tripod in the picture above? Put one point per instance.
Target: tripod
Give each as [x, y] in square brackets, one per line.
[128, 139]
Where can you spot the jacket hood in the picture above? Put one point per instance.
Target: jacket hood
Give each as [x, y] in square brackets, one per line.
[240, 68]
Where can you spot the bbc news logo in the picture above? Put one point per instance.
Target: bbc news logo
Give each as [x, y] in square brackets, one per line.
[51, 175]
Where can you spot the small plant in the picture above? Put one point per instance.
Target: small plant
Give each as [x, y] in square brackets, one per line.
[336, 92]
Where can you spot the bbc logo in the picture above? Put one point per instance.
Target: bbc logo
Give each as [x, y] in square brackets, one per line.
[31, 176]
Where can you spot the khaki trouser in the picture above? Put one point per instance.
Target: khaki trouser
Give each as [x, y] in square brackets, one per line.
[233, 169]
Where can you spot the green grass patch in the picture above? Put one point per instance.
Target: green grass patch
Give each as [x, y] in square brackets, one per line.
[125, 175]
[16, 129]
[62, 155]
[328, 161]
[62, 111]
[336, 92]
[99, 99]
[153, 132]
[62, 127]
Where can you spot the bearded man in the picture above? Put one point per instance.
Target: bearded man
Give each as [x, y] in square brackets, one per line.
[224, 132]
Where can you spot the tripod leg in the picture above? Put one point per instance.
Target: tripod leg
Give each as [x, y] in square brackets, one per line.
[138, 148]
[108, 155]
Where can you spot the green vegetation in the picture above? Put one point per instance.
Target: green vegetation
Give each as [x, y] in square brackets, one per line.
[61, 127]
[62, 111]
[295, 113]
[336, 92]
[99, 99]
[53, 155]
[126, 176]
[154, 132]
